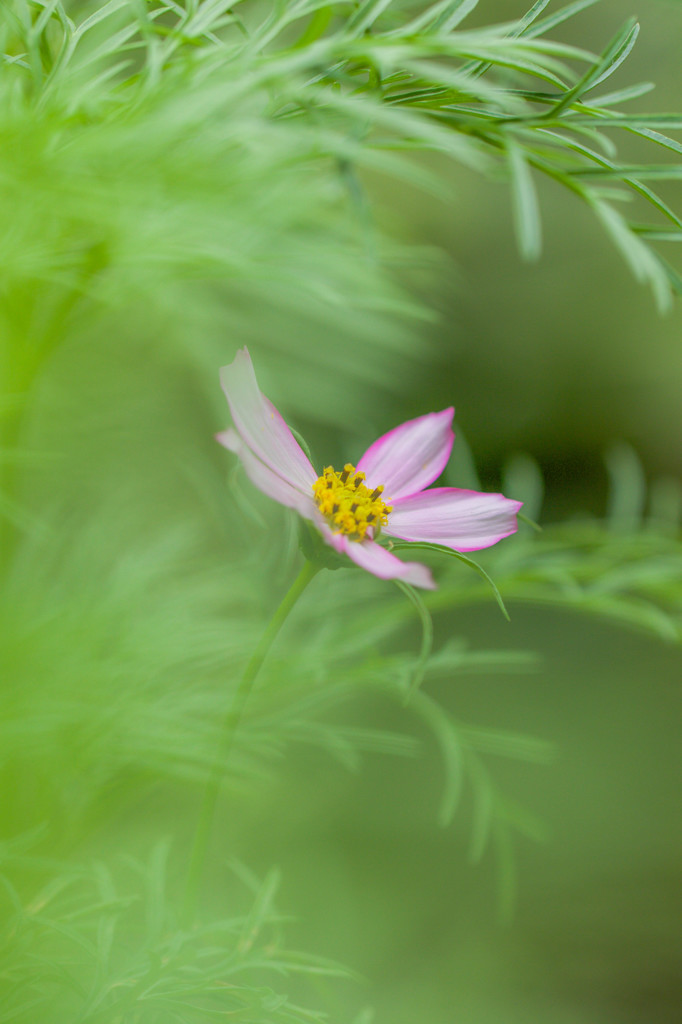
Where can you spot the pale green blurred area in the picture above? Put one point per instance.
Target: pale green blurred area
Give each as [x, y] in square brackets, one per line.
[595, 935]
[145, 569]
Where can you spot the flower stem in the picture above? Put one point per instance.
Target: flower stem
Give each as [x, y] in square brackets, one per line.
[230, 725]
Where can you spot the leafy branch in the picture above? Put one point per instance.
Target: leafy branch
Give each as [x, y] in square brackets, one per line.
[366, 83]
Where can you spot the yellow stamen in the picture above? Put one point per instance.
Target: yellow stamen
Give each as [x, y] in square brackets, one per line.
[348, 504]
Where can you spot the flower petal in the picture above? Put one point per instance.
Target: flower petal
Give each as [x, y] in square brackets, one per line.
[261, 426]
[371, 556]
[463, 520]
[411, 456]
[263, 477]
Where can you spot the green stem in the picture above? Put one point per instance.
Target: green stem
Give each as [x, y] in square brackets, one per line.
[230, 725]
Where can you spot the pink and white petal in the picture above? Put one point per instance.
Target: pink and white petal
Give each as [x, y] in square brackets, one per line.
[262, 427]
[371, 556]
[380, 562]
[459, 519]
[263, 477]
[338, 541]
[410, 457]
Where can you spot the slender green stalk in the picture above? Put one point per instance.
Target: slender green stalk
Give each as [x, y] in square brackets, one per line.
[230, 725]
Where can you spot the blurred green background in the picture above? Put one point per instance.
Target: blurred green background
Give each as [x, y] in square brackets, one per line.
[140, 568]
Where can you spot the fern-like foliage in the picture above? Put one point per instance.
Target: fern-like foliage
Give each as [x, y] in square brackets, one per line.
[345, 85]
[63, 956]
[180, 177]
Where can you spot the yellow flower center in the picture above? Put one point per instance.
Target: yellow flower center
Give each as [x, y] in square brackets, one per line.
[348, 504]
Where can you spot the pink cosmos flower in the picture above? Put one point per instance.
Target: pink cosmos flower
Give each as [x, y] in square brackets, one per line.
[384, 494]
